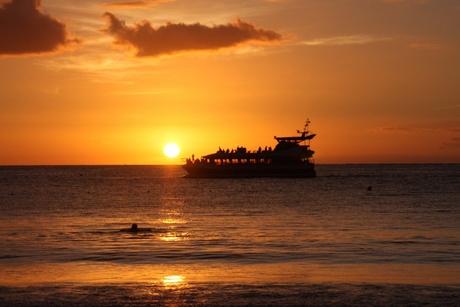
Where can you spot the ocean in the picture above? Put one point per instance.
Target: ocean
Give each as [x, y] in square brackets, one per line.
[357, 235]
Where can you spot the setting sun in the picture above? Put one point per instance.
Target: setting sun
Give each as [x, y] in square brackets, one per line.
[171, 150]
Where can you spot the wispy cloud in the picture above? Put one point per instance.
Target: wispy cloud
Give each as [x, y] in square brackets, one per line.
[133, 4]
[453, 143]
[49, 91]
[429, 128]
[395, 129]
[100, 67]
[357, 39]
[427, 46]
[25, 29]
[173, 38]
[406, 1]
[453, 129]
[455, 106]
[143, 93]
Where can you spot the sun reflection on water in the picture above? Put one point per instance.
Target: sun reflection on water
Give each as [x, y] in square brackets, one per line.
[173, 280]
[173, 224]
[173, 236]
[173, 221]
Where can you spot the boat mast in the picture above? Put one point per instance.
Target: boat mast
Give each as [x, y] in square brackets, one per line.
[305, 132]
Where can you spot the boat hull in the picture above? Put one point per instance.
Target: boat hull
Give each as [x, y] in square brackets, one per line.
[250, 171]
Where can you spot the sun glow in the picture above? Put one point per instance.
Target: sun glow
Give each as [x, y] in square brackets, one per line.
[171, 150]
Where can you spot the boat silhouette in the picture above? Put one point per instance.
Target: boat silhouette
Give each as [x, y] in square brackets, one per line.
[291, 157]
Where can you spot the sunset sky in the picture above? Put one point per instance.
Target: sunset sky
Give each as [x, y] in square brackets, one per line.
[100, 82]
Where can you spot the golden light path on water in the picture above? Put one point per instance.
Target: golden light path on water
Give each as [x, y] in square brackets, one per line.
[173, 235]
[176, 274]
[172, 222]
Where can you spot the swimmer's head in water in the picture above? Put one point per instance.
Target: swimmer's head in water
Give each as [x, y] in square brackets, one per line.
[134, 227]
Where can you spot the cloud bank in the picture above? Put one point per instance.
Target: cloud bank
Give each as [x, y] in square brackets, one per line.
[175, 38]
[24, 29]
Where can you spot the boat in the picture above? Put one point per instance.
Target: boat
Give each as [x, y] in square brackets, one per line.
[291, 157]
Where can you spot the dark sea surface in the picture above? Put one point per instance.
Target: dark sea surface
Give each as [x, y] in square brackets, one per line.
[357, 235]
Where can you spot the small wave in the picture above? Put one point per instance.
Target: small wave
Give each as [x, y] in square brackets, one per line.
[10, 256]
[403, 242]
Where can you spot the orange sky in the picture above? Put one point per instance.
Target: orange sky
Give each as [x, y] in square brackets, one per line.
[100, 82]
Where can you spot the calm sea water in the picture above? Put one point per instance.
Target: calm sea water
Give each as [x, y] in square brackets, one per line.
[231, 242]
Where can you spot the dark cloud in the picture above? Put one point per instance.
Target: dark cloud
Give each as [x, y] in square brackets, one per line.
[174, 38]
[24, 29]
